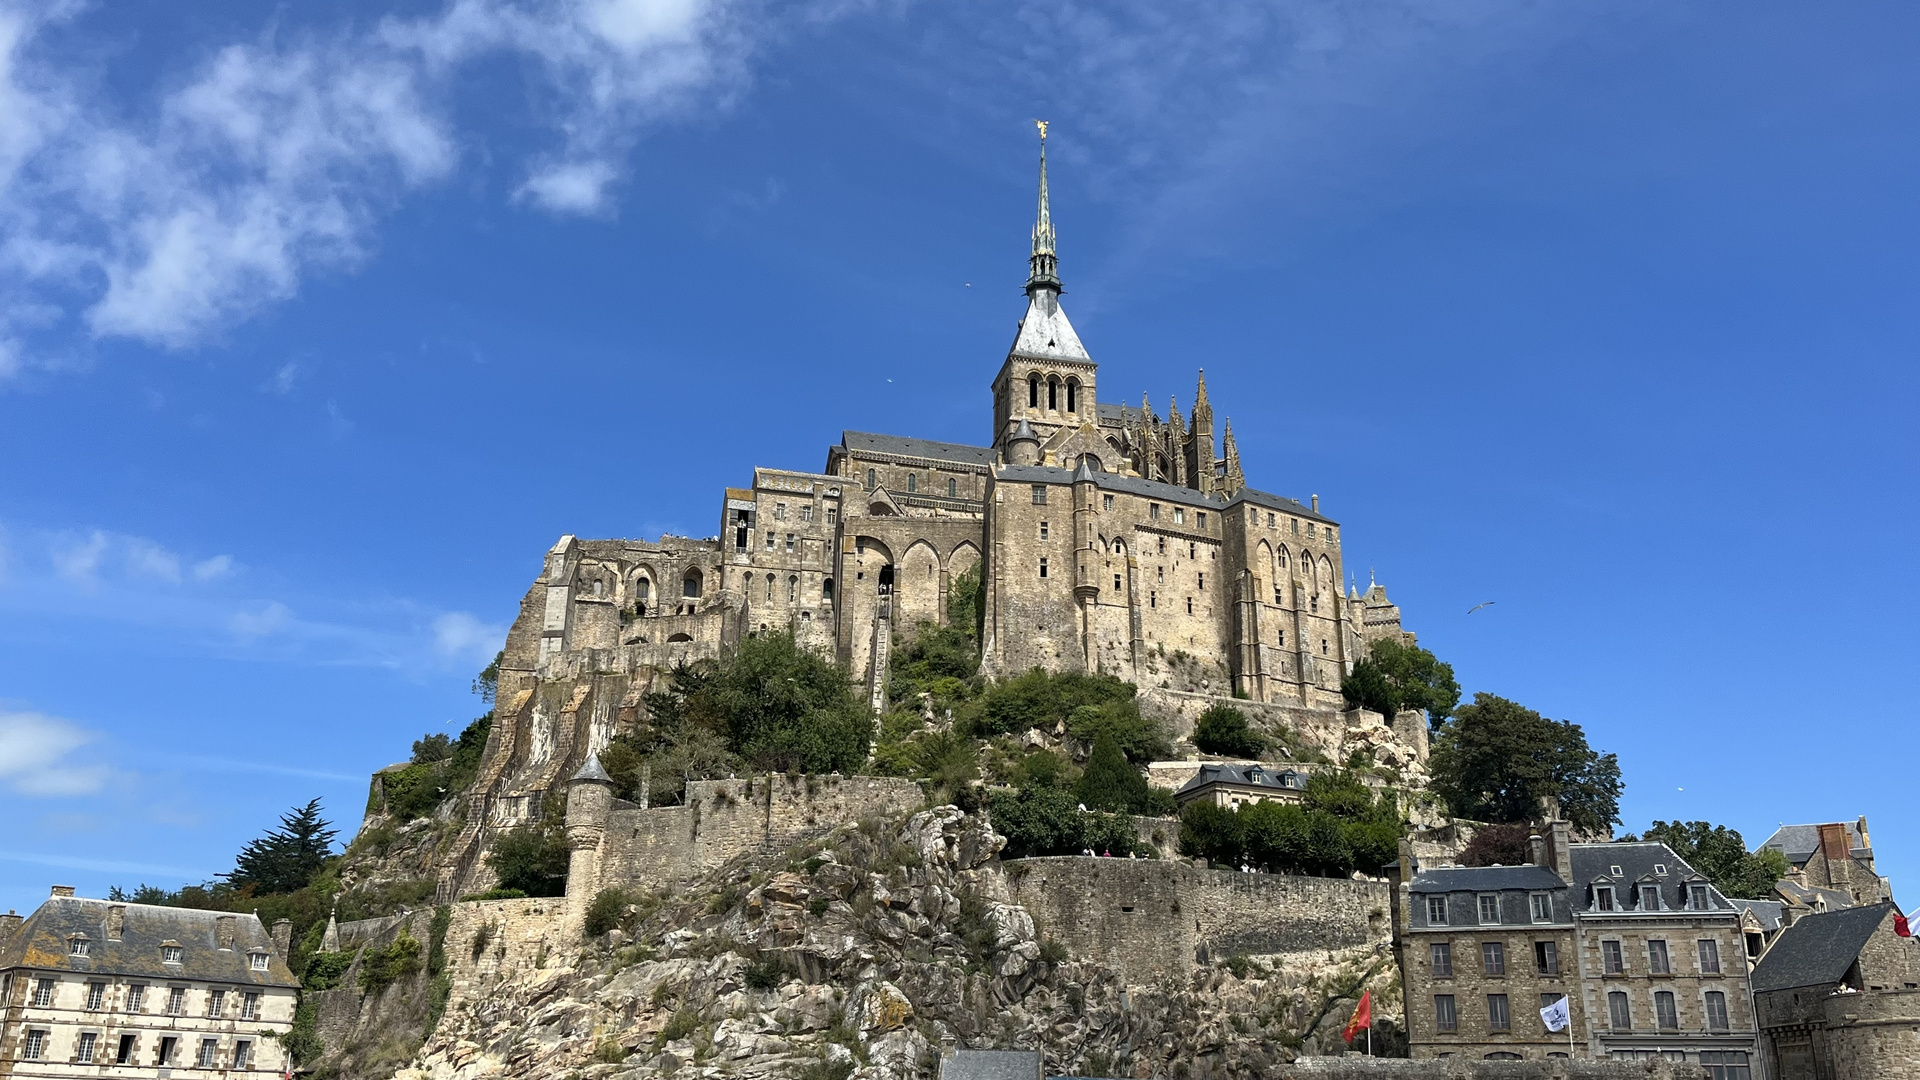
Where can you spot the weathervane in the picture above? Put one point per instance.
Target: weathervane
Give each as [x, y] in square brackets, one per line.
[1042, 125]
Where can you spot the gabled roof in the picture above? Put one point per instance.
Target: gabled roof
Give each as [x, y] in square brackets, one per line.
[1813, 896]
[1254, 776]
[42, 943]
[1443, 879]
[901, 446]
[1768, 913]
[1799, 842]
[1818, 950]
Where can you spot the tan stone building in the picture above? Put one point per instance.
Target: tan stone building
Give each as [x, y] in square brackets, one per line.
[1650, 955]
[1830, 865]
[1232, 786]
[1838, 998]
[1105, 538]
[99, 988]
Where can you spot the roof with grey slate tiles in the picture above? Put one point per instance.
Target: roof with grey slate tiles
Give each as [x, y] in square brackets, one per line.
[43, 943]
[902, 446]
[1445, 879]
[1640, 863]
[1255, 776]
[1818, 949]
[1799, 842]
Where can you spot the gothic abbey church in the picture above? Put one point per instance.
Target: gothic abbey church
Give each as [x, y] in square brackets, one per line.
[1107, 537]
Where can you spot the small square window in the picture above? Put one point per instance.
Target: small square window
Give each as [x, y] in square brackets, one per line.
[1493, 958]
[1043, 530]
[833, 515]
[1489, 909]
[1179, 515]
[1542, 905]
[1106, 502]
[1436, 911]
[1201, 519]
[1442, 959]
[1043, 566]
[1153, 511]
[1039, 494]
[78, 945]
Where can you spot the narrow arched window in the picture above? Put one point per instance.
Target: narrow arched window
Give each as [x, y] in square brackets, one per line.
[873, 480]
[769, 588]
[826, 591]
[793, 590]
[953, 488]
[1053, 394]
[913, 483]
[690, 585]
[1033, 391]
[643, 589]
[1073, 395]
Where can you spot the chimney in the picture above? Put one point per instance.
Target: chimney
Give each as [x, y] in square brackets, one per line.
[1864, 842]
[9, 923]
[1537, 850]
[223, 933]
[283, 937]
[1316, 504]
[1560, 837]
[116, 921]
[63, 890]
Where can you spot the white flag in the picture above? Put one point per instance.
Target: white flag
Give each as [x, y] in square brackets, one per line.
[1555, 1015]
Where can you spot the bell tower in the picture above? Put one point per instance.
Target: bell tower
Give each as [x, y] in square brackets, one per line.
[1048, 379]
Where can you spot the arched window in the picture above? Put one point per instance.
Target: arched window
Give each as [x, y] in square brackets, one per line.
[690, 585]
[643, 589]
[873, 480]
[1033, 391]
[913, 483]
[793, 590]
[1073, 395]
[953, 488]
[826, 591]
[1053, 393]
[679, 637]
[769, 588]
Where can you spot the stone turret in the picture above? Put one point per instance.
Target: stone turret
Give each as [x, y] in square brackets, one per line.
[1235, 479]
[1200, 446]
[1086, 584]
[1023, 448]
[589, 802]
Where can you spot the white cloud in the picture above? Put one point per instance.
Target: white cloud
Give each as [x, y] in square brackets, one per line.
[283, 379]
[146, 559]
[272, 618]
[169, 220]
[213, 569]
[36, 756]
[78, 559]
[460, 635]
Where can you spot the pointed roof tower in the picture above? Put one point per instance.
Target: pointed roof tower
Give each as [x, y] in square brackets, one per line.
[1045, 332]
[1235, 479]
[1202, 409]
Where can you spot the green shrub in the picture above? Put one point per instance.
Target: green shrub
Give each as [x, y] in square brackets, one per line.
[766, 973]
[324, 970]
[681, 1024]
[609, 1052]
[533, 858]
[1110, 782]
[381, 968]
[1223, 730]
[605, 912]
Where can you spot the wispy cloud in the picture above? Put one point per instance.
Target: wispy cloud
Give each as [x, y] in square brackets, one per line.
[169, 220]
[228, 765]
[91, 557]
[104, 866]
[269, 618]
[38, 756]
[458, 635]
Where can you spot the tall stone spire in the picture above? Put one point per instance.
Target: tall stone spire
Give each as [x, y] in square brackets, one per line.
[1235, 478]
[1045, 273]
[1200, 460]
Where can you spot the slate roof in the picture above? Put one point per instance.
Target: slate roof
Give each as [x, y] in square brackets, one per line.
[1768, 913]
[41, 943]
[991, 1065]
[1280, 502]
[1126, 414]
[901, 446]
[1447, 879]
[1808, 894]
[1637, 861]
[1799, 842]
[1255, 776]
[1818, 950]
[1047, 335]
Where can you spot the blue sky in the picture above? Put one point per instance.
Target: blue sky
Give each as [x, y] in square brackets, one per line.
[323, 322]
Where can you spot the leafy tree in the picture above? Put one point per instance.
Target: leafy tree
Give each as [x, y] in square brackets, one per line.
[1110, 782]
[1497, 845]
[487, 683]
[287, 858]
[967, 600]
[1397, 676]
[1048, 821]
[432, 747]
[1496, 759]
[784, 708]
[533, 858]
[1340, 827]
[1223, 730]
[1721, 854]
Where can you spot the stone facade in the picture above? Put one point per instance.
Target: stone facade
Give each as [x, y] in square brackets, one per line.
[1649, 954]
[98, 988]
[1838, 996]
[1153, 919]
[1107, 537]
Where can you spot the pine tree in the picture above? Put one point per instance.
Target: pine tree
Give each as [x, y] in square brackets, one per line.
[287, 858]
[1110, 782]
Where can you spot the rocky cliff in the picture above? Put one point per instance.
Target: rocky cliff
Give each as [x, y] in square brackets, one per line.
[861, 954]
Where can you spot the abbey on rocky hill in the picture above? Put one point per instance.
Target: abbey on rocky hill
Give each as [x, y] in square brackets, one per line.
[1105, 537]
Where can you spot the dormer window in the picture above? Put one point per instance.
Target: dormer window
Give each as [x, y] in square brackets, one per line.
[1699, 901]
[1436, 911]
[1660, 869]
[1649, 898]
[171, 954]
[1614, 870]
[1603, 898]
[78, 945]
[257, 961]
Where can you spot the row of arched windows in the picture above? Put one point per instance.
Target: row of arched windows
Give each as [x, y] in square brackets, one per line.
[1053, 388]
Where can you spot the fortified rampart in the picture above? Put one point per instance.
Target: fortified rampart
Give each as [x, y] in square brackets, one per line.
[1154, 918]
[721, 820]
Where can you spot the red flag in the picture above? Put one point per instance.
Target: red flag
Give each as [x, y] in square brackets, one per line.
[1900, 925]
[1362, 1018]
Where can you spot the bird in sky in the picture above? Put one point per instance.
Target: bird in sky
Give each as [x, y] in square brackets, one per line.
[1477, 607]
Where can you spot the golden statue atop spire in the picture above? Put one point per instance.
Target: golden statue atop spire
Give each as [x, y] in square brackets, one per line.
[1045, 273]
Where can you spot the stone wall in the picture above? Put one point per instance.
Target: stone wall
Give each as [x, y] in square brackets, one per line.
[724, 819]
[1154, 918]
[370, 1034]
[1874, 1036]
[1355, 1067]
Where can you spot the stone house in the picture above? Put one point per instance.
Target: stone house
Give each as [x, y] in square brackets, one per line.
[1231, 786]
[1827, 862]
[102, 988]
[1838, 998]
[1648, 952]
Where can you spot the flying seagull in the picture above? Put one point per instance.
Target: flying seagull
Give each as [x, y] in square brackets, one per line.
[1477, 607]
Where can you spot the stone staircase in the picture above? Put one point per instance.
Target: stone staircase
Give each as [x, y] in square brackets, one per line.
[882, 656]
